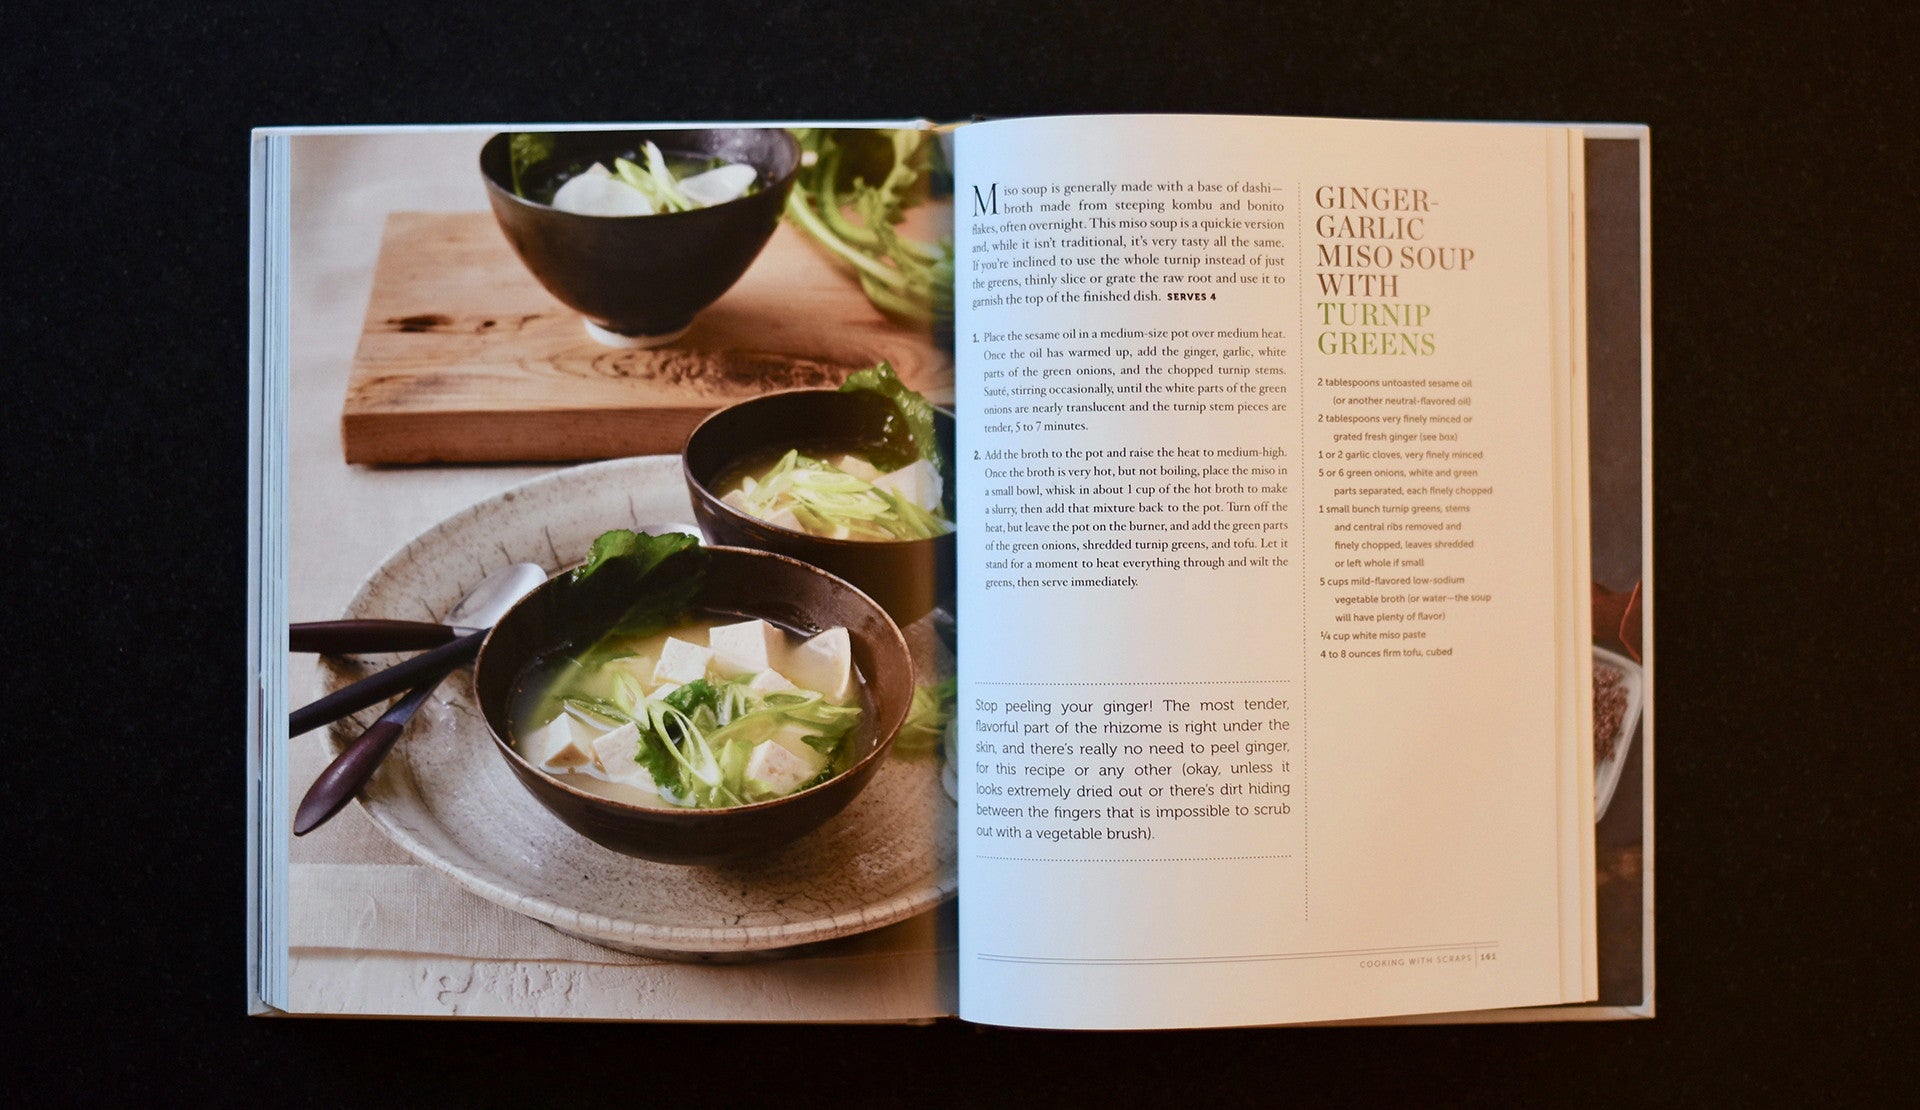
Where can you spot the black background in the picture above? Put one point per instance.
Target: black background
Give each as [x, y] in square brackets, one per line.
[1784, 411]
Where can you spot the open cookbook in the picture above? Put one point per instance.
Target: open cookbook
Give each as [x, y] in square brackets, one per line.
[1083, 572]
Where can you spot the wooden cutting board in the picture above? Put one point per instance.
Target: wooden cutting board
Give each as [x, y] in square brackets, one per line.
[465, 358]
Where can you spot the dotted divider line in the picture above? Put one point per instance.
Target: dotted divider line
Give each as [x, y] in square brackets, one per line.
[1306, 821]
[1239, 958]
[1136, 859]
[1193, 682]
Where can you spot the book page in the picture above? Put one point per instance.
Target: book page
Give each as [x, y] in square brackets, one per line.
[1271, 691]
[397, 316]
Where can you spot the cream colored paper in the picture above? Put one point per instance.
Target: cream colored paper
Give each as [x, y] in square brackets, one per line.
[1434, 857]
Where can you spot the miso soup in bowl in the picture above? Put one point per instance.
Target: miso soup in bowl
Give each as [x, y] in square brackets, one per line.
[836, 478]
[751, 701]
[638, 231]
[700, 715]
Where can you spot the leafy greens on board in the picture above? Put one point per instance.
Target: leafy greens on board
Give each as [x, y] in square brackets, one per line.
[878, 176]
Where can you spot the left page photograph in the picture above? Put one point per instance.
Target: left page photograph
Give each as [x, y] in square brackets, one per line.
[660, 414]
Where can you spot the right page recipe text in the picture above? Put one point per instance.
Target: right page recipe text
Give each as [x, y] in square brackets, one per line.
[1257, 529]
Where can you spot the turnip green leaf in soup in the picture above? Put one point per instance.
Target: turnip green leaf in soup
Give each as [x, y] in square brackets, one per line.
[914, 410]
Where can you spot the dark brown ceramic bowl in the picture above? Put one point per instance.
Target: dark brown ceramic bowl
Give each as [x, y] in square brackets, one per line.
[907, 577]
[644, 277]
[738, 584]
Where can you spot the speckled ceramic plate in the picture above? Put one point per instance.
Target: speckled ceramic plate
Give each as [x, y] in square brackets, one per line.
[1606, 773]
[447, 797]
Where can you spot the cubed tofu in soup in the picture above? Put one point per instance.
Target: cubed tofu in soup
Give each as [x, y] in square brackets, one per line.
[777, 769]
[616, 751]
[682, 662]
[916, 482]
[745, 648]
[858, 467]
[565, 742]
[770, 681]
[824, 664]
